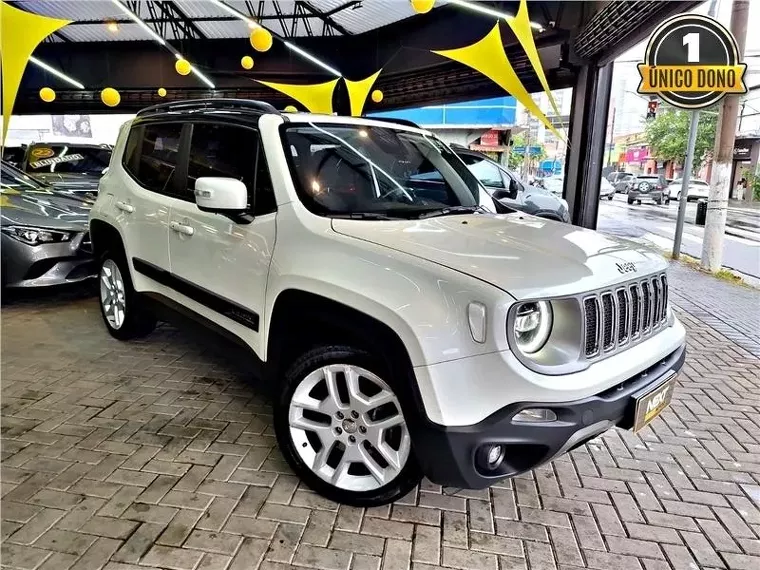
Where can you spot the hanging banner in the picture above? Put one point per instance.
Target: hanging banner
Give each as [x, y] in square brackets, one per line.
[316, 98]
[358, 91]
[487, 56]
[521, 27]
[21, 33]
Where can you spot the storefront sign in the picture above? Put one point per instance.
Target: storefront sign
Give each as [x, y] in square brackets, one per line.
[743, 149]
[637, 154]
[491, 138]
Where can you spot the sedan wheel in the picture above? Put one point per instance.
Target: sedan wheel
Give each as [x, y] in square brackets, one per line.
[113, 298]
[347, 427]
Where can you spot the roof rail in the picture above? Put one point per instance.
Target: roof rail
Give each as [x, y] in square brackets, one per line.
[210, 103]
[406, 122]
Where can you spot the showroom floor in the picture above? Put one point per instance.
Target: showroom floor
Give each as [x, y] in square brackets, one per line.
[160, 454]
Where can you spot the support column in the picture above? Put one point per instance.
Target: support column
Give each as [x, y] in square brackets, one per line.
[585, 153]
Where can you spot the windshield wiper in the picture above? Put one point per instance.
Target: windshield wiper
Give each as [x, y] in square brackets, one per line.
[451, 210]
[364, 216]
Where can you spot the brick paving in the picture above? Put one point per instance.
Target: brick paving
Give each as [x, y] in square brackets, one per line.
[160, 454]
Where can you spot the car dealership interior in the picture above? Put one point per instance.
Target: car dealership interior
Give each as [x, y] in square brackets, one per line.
[254, 317]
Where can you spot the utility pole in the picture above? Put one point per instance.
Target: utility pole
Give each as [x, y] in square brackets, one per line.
[720, 179]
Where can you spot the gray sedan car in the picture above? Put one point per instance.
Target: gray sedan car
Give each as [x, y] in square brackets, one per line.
[508, 189]
[43, 231]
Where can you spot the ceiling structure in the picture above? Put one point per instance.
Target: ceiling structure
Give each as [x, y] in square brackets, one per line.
[103, 47]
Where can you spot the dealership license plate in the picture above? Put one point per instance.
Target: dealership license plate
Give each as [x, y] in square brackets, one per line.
[651, 404]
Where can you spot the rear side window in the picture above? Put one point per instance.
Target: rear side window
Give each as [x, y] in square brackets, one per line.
[231, 152]
[151, 155]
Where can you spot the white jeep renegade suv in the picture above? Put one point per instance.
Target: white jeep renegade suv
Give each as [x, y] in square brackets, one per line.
[409, 325]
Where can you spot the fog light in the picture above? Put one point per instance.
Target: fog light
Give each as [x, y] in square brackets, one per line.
[490, 457]
[494, 455]
[535, 415]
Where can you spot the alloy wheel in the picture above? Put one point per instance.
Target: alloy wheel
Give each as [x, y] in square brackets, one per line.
[347, 427]
[112, 294]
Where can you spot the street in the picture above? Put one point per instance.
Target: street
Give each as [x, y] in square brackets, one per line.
[655, 226]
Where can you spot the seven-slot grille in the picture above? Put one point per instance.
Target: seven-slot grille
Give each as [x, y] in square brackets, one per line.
[626, 314]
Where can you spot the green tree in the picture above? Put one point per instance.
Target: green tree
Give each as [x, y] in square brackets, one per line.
[668, 135]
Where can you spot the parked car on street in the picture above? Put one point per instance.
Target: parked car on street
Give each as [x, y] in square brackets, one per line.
[554, 184]
[648, 187]
[619, 181]
[76, 167]
[406, 327]
[44, 232]
[697, 189]
[606, 189]
[507, 187]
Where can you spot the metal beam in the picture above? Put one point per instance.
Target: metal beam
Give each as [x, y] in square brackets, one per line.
[173, 7]
[280, 17]
[328, 21]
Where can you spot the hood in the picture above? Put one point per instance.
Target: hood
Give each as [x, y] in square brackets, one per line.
[49, 209]
[526, 256]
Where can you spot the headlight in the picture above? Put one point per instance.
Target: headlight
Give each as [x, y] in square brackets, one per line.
[36, 236]
[532, 326]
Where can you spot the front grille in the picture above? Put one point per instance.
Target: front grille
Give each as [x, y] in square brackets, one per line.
[591, 309]
[623, 311]
[608, 323]
[631, 313]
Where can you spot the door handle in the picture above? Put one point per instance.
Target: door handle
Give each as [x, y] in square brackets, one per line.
[182, 228]
[124, 207]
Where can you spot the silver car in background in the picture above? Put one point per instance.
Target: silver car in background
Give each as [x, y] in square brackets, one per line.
[44, 233]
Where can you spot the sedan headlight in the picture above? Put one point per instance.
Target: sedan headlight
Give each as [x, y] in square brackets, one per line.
[36, 236]
[532, 326]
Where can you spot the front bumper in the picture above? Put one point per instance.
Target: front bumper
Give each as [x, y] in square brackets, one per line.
[450, 455]
[47, 264]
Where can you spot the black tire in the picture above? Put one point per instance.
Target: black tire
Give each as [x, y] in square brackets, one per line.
[630, 201]
[138, 320]
[638, 202]
[658, 202]
[610, 196]
[405, 481]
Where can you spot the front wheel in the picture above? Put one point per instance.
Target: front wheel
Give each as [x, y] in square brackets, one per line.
[121, 306]
[638, 202]
[630, 201]
[610, 196]
[340, 426]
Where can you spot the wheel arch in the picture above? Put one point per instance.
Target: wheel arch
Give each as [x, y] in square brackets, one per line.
[336, 320]
[104, 237]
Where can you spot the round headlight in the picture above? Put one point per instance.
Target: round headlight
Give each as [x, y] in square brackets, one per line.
[533, 324]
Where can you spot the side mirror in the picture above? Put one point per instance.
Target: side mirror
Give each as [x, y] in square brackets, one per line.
[514, 188]
[221, 195]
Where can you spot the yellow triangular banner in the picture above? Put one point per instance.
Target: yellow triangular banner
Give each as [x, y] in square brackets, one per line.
[487, 56]
[358, 92]
[316, 98]
[520, 25]
[21, 34]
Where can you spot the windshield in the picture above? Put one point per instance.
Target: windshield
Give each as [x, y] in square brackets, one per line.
[13, 179]
[68, 159]
[343, 169]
